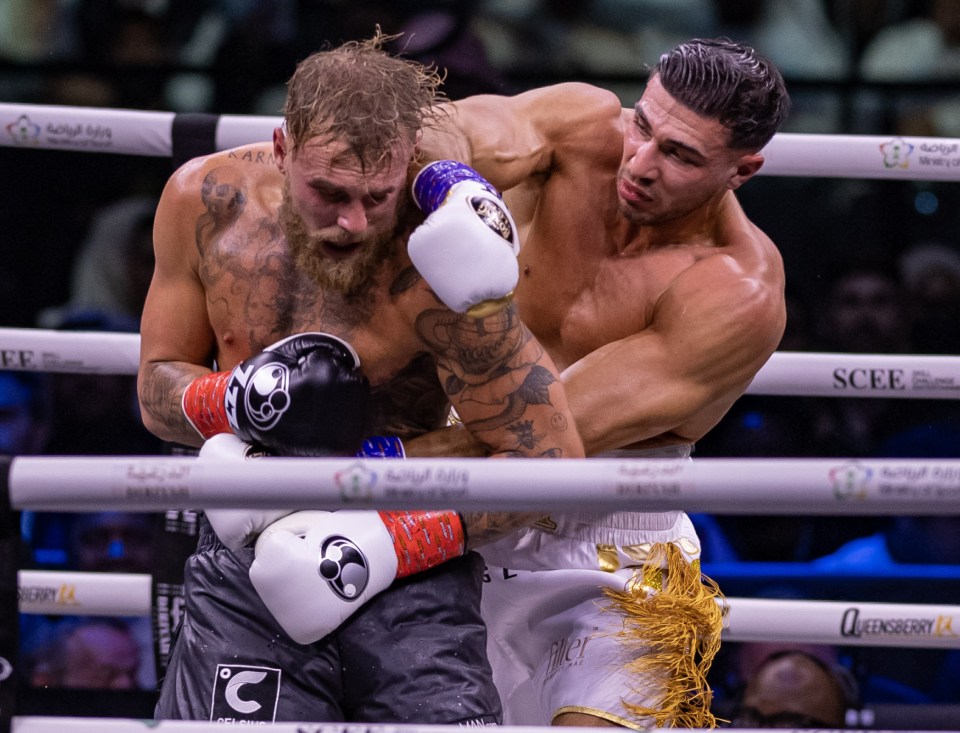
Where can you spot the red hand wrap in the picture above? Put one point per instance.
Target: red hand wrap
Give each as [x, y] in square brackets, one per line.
[424, 539]
[203, 404]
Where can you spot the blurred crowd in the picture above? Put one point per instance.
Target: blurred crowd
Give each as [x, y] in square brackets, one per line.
[872, 266]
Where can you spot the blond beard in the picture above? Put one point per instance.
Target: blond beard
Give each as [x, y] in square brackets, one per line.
[349, 276]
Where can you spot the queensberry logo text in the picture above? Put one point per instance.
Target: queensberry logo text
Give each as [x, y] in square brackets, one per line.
[852, 625]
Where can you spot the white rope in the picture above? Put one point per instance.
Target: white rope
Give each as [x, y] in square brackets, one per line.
[786, 373]
[55, 592]
[859, 375]
[133, 132]
[844, 623]
[837, 486]
[45, 350]
[59, 593]
[863, 156]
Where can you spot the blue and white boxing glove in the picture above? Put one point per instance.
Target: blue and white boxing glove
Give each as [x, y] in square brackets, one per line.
[466, 249]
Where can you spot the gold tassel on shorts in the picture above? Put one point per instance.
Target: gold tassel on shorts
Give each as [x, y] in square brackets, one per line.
[677, 630]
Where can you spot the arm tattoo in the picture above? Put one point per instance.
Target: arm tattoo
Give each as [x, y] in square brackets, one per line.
[490, 361]
[161, 395]
[533, 391]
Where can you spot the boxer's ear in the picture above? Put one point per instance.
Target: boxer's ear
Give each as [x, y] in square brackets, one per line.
[744, 169]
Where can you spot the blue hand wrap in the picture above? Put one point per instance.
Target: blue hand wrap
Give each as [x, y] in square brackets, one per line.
[432, 184]
[382, 446]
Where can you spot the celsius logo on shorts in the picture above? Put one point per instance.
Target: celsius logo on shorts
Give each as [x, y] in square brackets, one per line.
[343, 566]
[245, 694]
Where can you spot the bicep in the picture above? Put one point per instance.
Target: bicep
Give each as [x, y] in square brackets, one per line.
[510, 139]
[175, 324]
[176, 340]
[701, 350]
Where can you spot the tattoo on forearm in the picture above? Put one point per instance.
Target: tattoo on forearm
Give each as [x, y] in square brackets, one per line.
[490, 361]
[534, 390]
[161, 393]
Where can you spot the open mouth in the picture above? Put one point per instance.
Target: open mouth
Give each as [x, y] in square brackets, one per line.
[339, 251]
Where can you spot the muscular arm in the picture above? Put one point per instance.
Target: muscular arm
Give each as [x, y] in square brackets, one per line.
[671, 382]
[504, 386]
[711, 332]
[512, 140]
[176, 339]
[506, 391]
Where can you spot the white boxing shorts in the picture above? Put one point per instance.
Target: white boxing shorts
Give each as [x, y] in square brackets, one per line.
[554, 639]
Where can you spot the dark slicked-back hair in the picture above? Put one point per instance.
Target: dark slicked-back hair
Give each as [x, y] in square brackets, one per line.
[728, 82]
[362, 96]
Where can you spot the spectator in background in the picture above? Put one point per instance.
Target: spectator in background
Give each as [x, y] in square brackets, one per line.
[906, 543]
[112, 542]
[98, 414]
[24, 413]
[793, 688]
[922, 47]
[931, 275]
[863, 310]
[112, 269]
[863, 313]
[87, 653]
[117, 650]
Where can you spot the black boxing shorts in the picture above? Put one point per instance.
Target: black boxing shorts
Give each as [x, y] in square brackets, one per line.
[416, 653]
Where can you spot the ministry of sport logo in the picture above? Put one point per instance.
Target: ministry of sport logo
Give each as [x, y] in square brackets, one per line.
[23, 131]
[355, 482]
[243, 693]
[896, 153]
[850, 481]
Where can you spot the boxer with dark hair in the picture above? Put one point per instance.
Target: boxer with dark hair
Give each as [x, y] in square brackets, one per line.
[650, 288]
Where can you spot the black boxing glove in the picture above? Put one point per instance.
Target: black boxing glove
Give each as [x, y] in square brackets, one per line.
[305, 395]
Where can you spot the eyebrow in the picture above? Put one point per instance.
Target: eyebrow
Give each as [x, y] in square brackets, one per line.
[671, 141]
[322, 184]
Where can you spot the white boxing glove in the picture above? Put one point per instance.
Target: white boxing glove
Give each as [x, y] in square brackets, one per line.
[466, 249]
[313, 569]
[237, 528]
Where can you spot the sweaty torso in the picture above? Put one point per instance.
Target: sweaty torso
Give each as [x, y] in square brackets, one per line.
[588, 280]
[255, 296]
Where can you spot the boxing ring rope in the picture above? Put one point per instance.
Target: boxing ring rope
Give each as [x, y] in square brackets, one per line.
[917, 625]
[819, 486]
[165, 134]
[786, 373]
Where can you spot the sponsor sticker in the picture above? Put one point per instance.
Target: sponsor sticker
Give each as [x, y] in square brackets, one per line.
[245, 694]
